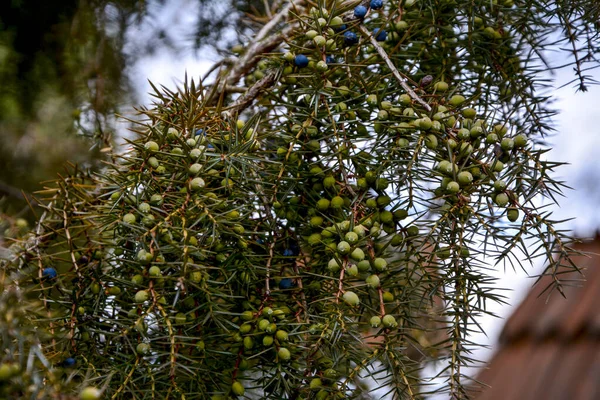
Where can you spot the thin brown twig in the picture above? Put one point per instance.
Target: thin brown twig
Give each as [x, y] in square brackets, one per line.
[401, 79]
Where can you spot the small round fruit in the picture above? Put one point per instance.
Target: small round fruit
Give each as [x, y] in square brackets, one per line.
[301, 61]
[352, 270]
[195, 168]
[5, 372]
[465, 178]
[373, 281]
[431, 142]
[520, 141]
[350, 38]
[49, 273]
[507, 144]
[351, 298]
[323, 204]
[337, 202]
[469, 113]
[141, 296]
[142, 349]
[197, 184]
[389, 321]
[321, 66]
[154, 271]
[315, 383]
[248, 343]
[360, 11]
[501, 199]
[500, 185]
[357, 254]
[237, 388]
[284, 354]
[512, 214]
[180, 319]
[376, 4]
[151, 146]
[267, 341]
[375, 321]
[440, 86]
[333, 265]
[90, 393]
[281, 335]
[343, 247]
[380, 264]
[452, 187]
[129, 218]
[456, 100]
[351, 237]
[388, 297]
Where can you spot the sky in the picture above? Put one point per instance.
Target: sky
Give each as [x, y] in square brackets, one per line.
[576, 142]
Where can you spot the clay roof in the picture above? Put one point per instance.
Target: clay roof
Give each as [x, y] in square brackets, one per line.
[550, 347]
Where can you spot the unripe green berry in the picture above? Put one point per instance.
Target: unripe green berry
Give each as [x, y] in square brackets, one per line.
[151, 146]
[469, 113]
[197, 184]
[453, 187]
[351, 237]
[315, 383]
[284, 354]
[501, 199]
[141, 296]
[351, 299]
[129, 218]
[499, 185]
[373, 281]
[465, 178]
[388, 297]
[333, 265]
[512, 214]
[319, 40]
[142, 349]
[195, 169]
[380, 264]
[357, 254]
[520, 141]
[323, 204]
[456, 100]
[507, 144]
[267, 341]
[90, 393]
[389, 321]
[237, 388]
[440, 86]
[343, 247]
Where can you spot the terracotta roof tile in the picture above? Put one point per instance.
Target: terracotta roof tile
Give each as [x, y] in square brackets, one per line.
[550, 346]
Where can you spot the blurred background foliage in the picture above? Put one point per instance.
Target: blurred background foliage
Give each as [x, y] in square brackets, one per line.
[65, 71]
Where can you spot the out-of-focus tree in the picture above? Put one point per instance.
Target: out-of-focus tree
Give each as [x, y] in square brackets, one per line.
[63, 74]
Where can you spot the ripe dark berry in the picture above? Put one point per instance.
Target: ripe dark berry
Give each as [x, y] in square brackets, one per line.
[49, 273]
[376, 4]
[69, 362]
[330, 60]
[350, 38]
[360, 11]
[286, 283]
[380, 34]
[200, 132]
[301, 61]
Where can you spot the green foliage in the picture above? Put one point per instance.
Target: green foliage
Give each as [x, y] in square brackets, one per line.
[323, 226]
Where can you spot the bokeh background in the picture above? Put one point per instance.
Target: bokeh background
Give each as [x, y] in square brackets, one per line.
[67, 67]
